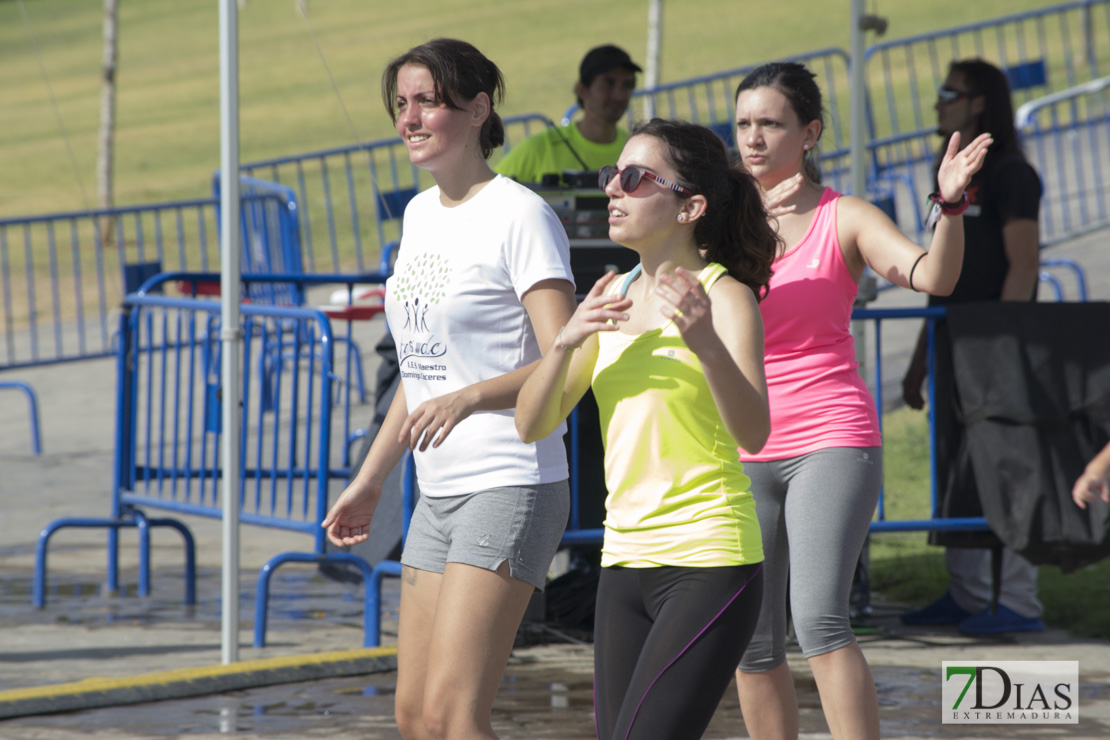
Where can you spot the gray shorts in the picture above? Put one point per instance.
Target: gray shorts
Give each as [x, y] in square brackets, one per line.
[519, 525]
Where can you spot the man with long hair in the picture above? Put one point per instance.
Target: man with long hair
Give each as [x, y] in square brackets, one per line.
[1001, 263]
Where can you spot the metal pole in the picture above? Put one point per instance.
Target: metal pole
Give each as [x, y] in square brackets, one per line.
[654, 52]
[857, 141]
[861, 588]
[230, 334]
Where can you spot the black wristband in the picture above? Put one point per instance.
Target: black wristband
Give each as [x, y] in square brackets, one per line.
[919, 258]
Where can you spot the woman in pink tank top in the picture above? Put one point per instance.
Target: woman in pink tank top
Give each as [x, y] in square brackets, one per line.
[817, 479]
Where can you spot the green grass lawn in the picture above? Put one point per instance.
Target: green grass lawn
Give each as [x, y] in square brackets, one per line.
[907, 570]
[168, 104]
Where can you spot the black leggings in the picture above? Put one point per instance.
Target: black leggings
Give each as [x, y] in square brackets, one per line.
[666, 644]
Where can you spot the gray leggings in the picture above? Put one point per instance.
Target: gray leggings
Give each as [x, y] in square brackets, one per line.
[814, 511]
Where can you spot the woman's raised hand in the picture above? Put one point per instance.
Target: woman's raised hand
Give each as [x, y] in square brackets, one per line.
[597, 312]
[958, 165]
[685, 303]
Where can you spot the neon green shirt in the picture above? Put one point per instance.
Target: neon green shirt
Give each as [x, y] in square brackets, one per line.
[678, 495]
[552, 151]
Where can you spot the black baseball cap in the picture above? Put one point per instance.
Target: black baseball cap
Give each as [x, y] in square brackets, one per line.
[601, 59]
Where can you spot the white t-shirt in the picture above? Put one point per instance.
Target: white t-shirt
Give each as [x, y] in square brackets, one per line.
[454, 308]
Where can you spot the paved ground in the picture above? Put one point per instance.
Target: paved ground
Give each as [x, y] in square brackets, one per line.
[316, 624]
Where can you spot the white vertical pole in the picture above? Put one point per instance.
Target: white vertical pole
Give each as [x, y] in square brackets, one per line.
[654, 53]
[230, 335]
[858, 141]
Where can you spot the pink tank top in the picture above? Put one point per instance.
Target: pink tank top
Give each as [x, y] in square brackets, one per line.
[818, 399]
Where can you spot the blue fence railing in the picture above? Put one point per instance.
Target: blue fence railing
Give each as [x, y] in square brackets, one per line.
[169, 430]
[270, 238]
[1074, 162]
[352, 197]
[348, 371]
[63, 275]
[32, 410]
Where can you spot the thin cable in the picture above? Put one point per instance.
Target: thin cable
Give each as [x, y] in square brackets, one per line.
[54, 104]
[320, 52]
[302, 6]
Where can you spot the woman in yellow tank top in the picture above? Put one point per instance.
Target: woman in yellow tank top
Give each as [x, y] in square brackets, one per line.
[674, 354]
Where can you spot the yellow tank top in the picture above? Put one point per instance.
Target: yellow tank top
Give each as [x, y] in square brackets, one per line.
[677, 490]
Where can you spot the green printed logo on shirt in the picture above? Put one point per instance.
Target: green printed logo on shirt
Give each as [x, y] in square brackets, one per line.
[421, 288]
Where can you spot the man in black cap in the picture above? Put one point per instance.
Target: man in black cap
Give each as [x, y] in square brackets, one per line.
[606, 79]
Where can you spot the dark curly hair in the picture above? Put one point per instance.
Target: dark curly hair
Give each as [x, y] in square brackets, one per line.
[734, 230]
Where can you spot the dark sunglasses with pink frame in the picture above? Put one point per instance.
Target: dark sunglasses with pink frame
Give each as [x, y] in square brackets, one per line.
[631, 177]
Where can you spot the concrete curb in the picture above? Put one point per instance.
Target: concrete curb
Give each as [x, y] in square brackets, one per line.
[93, 693]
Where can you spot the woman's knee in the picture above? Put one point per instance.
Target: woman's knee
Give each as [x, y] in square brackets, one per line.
[409, 715]
[448, 712]
[427, 716]
[767, 647]
[762, 659]
[822, 633]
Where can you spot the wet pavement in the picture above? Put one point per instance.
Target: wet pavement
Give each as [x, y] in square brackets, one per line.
[546, 691]
[546, 694]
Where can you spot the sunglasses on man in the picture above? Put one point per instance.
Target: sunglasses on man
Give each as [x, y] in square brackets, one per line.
[631, 177]
[950, 95]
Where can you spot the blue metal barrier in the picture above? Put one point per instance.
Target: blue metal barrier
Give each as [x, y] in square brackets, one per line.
[168, 432]
[1068, 265]
[351, 379]
[1074, 162]
[934, 522]
[336, 189]
[33, 411]
[270, 238]
[62, 275]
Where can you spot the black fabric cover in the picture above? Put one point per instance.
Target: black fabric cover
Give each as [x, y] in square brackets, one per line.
[385, 527]
[1032, 382]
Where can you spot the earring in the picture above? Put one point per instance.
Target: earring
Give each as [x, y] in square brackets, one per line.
[805, 147]
[681, 217]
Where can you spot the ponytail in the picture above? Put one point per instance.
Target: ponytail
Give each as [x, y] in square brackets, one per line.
[747, 243]
[492, 135]
[734, 230]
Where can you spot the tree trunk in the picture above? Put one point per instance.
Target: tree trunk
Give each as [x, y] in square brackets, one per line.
[106, 149]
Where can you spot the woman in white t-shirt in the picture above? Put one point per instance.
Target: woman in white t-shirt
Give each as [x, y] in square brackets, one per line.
[482, 282]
